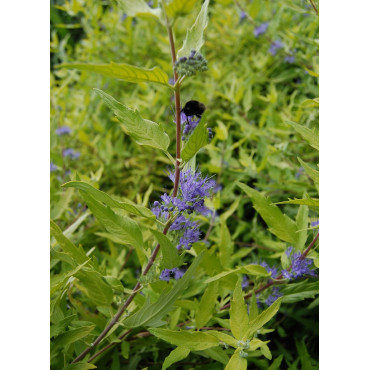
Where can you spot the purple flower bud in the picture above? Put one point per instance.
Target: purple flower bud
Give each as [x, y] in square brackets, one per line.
[261, 29]
[63, 130]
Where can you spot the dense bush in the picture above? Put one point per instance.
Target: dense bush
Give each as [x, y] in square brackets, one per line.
[222, 235]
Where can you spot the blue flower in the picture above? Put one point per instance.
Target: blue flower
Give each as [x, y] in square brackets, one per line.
[315, 223]
[275, 294]
[261, 29]
[242, 16]
[299, 267]
[275, 46]
[189, 123]
[64, 130]
[53, 167]
[71, 153]
[289, 59]
[274, 271]
[299, 172]
[176, 273]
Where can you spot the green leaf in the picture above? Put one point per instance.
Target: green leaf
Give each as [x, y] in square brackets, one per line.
[114, 283]
[122, 227]
[123, 71]
[222, 274]
[67, 246]
[310, 171]
[71, 336]
[80, 366]
[306, 202]
[105, 198]
[125, 349]
[299, 291]
[238, 313]
[226, 245]
[206, 305]
[143, 131]
[94, 287]
[176, 355]
[279, 224]
[310, 135]
[276, 364]
[151, 314]
[222, 337]
[303, 355]
[60, 326]
[194, 341]
[216, 353]
[138, 8]
[197, 140]
[176, 7]
[256, 270]
[266, 351]
[194, 36]
[264, 317]
[170, 254]
[236, 362]
[302, 224]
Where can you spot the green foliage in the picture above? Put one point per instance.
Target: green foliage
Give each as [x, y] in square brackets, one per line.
[264, 115]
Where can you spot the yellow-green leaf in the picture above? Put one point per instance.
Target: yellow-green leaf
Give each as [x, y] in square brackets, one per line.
[238, 313]
[122, 71]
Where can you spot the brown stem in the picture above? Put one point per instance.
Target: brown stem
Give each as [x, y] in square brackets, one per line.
[314, 6]
[110, 345]
[178, 111]
[276, 281]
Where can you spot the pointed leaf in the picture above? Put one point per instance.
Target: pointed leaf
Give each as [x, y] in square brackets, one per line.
[216, 353]
[310, 171]
[179, 7]
[302, 224]
[122, 227]
[307, 202]
[122, 71]
[311, 136]
[238, 313]
[264, 317]
[222, 337]
[170, 254]
[253, 308]
[280, 225]
[67, 246]
[194, 36]
[72, 336]
[195, 341]
[176, 355]
[143, 131]
[197, 140]
[206, 305]
[105, 198]
[276, 363]
[236, 362]
[256, 270]
[138, 8]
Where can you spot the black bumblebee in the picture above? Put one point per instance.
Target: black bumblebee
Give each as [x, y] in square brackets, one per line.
[193, 108]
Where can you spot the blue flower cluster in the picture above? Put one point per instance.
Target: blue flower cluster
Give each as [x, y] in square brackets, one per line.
[275, 46]
[275, 294]
[176, 273]
[261, 29]
[71, 153]
[289, 59]
[242, 16]
[299, 266]
[315, 223]
[63, 130]
[193, 189]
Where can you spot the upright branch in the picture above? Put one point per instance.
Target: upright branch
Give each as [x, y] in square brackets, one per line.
[175, 189]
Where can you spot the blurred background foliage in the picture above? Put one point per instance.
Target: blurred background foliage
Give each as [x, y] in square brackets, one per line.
[249, 94]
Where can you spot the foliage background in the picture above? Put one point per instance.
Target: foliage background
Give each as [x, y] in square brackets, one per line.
[249, 94]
